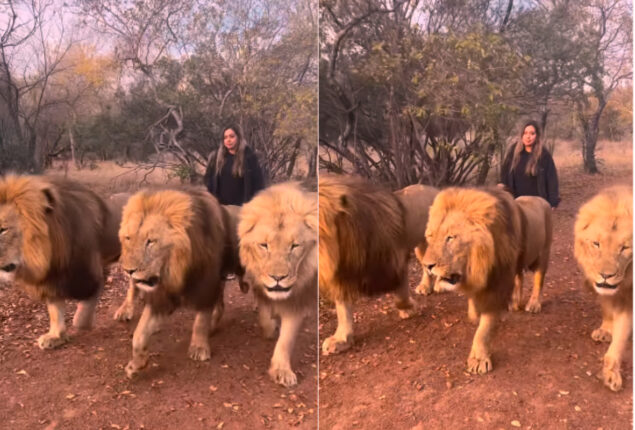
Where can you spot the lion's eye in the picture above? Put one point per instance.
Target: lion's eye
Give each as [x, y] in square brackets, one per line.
[624, 248]
[127, 237]
[596, 244]
[448, 239]
[264, 246]
[294, 246]
[150, 242]
[3, 230]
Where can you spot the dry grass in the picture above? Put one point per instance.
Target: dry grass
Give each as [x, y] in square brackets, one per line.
[608, 153]
[109, 178]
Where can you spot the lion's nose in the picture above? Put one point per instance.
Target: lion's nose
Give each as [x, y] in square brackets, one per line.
[607, 275]
[278, 278]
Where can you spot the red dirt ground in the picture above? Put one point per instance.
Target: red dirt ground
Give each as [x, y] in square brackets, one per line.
[83, 385]
[410, 374]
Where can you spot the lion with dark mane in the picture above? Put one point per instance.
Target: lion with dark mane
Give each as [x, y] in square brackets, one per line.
[604, 250]
[176, 247]
[474, 246]
[278, 249]
[56, 236]
[363, 250]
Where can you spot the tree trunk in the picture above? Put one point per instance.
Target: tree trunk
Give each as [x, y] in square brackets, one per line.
[591, 130]
[72, 143]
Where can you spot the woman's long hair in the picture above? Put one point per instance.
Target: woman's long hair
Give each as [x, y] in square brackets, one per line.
[535, 153]
[239, 158]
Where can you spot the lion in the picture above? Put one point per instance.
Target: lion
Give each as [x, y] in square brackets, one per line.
[125, 312]
[56, 237]
[417, 200]
[536, 246]
[363, 250]
[278, 248]
[604, 250]
[474, 238]
[176, 247]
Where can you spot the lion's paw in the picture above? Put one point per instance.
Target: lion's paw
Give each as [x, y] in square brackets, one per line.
[601, 335]
[611, 374]
[514, 306]
[283, 376]
[134, 366]
[407, 313]
[479, 365]
[533, 306]
[50, 341]
[332, 345]
[124, 313]
[423, 289]
[199, 352]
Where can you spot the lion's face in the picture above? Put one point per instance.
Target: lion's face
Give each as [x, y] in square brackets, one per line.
[459, 252]
[604, 248]
[147, 243]
[278, 239]
[278, 253]
[10, 242]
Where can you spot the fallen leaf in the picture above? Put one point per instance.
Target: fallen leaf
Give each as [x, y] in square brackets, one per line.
[516, 423]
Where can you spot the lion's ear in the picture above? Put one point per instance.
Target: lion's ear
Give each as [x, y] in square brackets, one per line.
[481, 260]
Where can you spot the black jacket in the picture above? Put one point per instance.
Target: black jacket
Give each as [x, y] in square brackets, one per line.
[546, 175]
[252, 174]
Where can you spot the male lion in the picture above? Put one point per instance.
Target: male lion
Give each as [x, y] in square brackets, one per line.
[604, 250]
[176, 246]
[278, 249]
[363, 250]
[55, 238]
[416, 200]
[536, 246]
[473, 246]
[125, 311]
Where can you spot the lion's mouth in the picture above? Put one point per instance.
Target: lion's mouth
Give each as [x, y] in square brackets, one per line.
[278, 289]
[604, 285]
[453, 279]
[151, 282]
[9, 268]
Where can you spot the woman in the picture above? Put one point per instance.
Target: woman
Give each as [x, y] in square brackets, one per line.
[233, 175]
[528, 169]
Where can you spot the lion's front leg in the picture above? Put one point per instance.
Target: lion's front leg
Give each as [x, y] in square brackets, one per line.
[199, 345]
[405, 305]
[217, 314]
[517, 293]
[125, 312]
[148, 324]
[472, 313]
[342, 339]
[84, 317]
[426, 283]
[533, 305]
[268, 323]
[479, 361]
[280, 369]
[603, 333]
[57, 332]
[622, 328]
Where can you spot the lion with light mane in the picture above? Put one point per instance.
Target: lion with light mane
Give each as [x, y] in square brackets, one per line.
[604, 250]
[278, 250]
[56, 236]
[474, 246]
[364, 249]
[176, 247]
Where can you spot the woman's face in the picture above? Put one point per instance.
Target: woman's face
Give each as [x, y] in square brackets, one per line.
[230, 140]
[529, 136]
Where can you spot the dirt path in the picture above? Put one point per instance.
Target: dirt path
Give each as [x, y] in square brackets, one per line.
[410, 374]
[83, 385]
